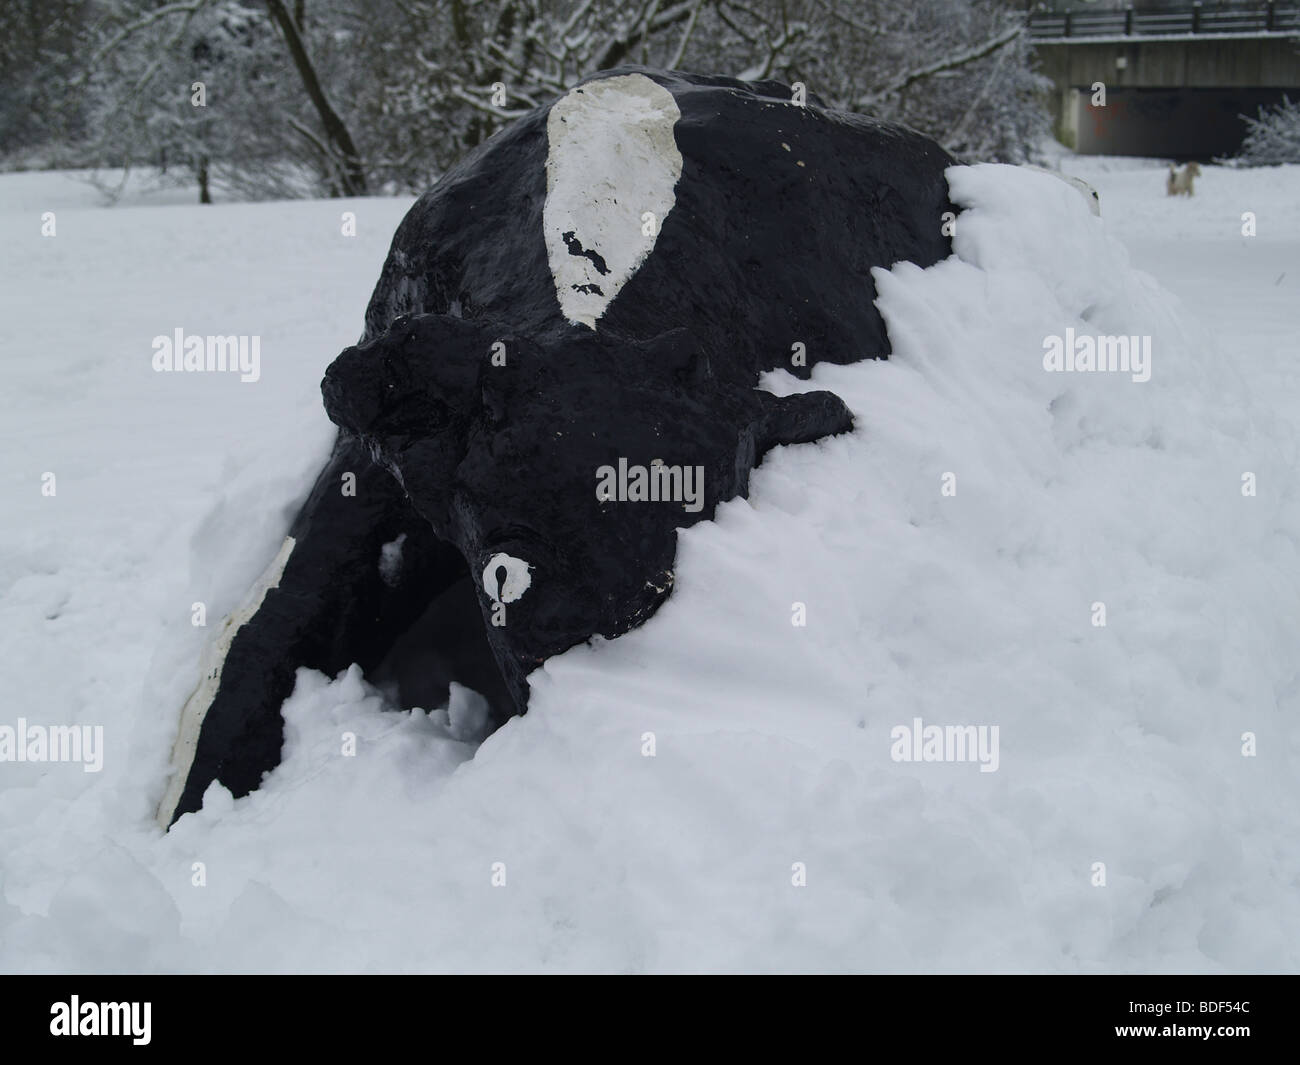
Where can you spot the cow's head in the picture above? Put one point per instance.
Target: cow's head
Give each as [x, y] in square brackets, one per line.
[527, 457]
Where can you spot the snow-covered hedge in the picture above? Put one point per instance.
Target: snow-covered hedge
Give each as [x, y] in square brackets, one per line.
[1272, 138]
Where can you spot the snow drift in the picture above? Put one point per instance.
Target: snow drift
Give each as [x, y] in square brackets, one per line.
[666, 792]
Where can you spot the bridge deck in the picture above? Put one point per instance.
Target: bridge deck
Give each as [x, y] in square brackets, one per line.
[1263, 20]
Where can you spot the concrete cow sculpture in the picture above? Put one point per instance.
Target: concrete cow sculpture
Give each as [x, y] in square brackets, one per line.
[559, 369]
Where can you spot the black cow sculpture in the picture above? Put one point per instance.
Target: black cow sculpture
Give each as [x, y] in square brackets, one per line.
[559, 369]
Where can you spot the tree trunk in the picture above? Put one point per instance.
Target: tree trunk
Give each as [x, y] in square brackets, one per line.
[204, 195]
[353, 175]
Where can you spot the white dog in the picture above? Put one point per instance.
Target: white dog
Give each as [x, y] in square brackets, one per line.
[1180, 182]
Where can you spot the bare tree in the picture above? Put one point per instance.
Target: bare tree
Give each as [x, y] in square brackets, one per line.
[338, 142]
[349, 97]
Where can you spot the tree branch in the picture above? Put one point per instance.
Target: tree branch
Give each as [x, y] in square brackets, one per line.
[461, 94]
[144, 21]
[622, 43]
[676, 60]
[952, 62]
[354, 178]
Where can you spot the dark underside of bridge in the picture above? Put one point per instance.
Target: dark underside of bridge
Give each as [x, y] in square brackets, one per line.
[1178, 77]
[1177, 124]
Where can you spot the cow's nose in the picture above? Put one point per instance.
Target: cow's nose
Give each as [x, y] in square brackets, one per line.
[354, 390]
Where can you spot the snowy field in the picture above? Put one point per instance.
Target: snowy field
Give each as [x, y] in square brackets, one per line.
[1119, 744]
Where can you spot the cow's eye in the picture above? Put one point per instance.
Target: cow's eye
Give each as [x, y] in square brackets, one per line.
[506, 578]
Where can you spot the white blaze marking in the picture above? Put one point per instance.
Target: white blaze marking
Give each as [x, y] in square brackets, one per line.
[212, 663]
[611, 157]
[517, 577]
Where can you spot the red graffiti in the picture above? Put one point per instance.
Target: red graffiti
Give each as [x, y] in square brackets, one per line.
[1104, 117]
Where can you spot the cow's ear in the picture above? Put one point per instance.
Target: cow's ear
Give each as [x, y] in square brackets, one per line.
[406, 379]
[799, 418]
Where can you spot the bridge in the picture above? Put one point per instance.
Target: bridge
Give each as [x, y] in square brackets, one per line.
[1177, 75]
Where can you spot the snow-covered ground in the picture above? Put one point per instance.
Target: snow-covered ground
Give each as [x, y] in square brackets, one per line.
[558, 844]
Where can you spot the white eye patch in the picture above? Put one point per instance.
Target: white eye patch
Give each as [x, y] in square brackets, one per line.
[506, 578]
[612, 165]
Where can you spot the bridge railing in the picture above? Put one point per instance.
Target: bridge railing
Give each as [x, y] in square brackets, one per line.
[1190, 20]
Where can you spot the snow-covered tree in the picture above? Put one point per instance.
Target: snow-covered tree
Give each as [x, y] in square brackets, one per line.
[961, 70]
[38, 60]
[345, 97]
[1273, 137]
[199, 89]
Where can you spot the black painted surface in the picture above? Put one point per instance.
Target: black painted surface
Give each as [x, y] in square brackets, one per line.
[758, 253]
[332, 608]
